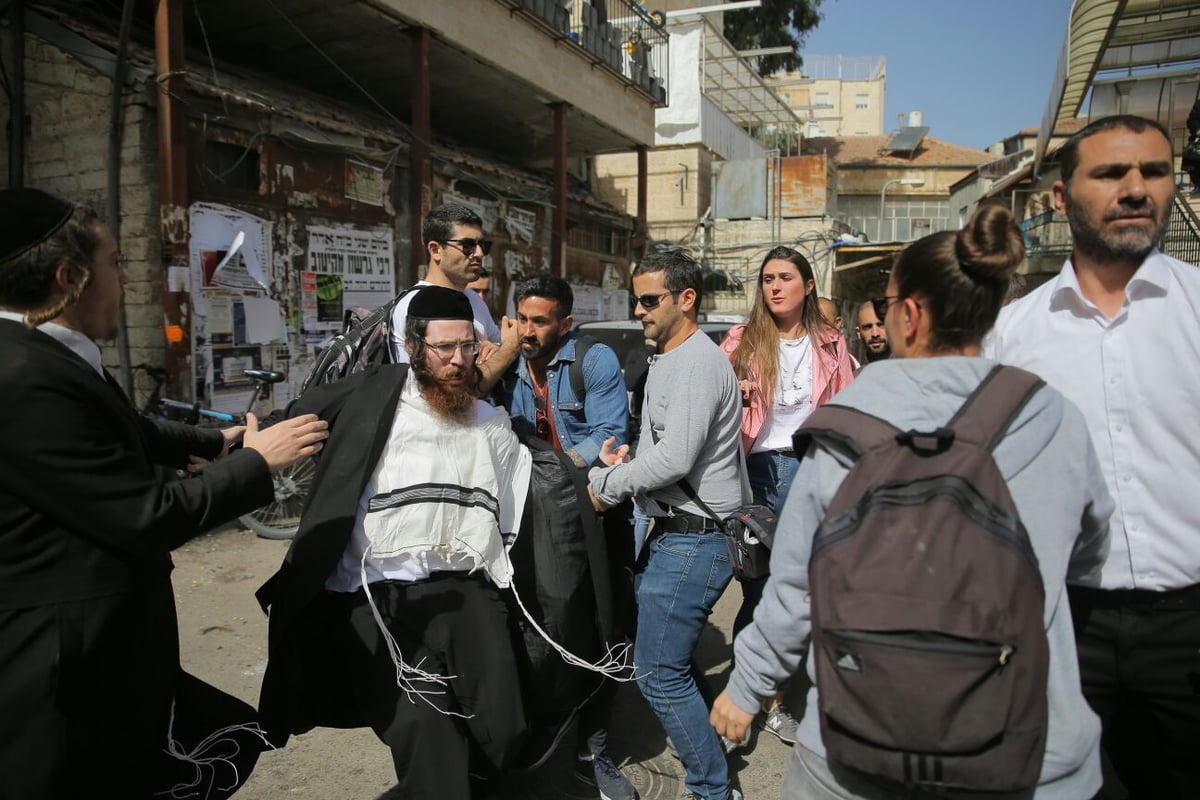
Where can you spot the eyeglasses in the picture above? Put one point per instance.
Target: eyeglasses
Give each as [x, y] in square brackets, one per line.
[541, 421]
[648, 301]
[121, 262]
[882, 304]
[468, 245]
[446, 350]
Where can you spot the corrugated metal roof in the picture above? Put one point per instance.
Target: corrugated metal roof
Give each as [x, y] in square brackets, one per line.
[1137, 37]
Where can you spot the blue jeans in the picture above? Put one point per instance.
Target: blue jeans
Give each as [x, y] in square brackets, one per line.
[771, 476]
[681, 579]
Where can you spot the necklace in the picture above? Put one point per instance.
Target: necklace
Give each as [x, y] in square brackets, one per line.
[792, 390]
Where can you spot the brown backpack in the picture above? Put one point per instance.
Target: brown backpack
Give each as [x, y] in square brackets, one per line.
[927, 603]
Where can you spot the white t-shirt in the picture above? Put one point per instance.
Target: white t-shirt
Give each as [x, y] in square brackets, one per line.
[485, 326]
[791, 401]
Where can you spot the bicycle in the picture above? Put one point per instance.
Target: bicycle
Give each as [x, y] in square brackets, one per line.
[279, 519]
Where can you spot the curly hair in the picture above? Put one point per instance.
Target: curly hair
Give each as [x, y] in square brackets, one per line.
[28, 278]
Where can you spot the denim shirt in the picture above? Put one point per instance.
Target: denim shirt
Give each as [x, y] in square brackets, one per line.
[582, 426]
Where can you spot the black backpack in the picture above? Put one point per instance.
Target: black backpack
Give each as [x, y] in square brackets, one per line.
[927, 602]
[362, 343]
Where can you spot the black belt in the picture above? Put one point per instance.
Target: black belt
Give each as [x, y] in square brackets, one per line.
[683, 522]
[1185, 598]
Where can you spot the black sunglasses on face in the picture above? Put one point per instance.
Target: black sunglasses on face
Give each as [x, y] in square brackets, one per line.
[882, 304]
[648, 301]
[468, 245]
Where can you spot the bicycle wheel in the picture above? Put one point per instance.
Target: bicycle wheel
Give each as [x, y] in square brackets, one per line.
[280, 519]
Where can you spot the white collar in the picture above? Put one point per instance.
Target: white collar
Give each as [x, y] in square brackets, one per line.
[73, 340]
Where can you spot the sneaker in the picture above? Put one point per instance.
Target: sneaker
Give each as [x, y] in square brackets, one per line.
[734, 794]
[780, 722]
[600, 771]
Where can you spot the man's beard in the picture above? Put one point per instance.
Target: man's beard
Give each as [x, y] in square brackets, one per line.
[877, 355]
[452, 402]
[1131, 246]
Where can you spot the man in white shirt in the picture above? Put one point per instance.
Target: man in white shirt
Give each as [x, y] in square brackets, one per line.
[1106, 334]
[387, 611]
[454, 241]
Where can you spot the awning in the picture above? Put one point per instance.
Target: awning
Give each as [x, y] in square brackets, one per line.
[1134, 38]
[729, 80]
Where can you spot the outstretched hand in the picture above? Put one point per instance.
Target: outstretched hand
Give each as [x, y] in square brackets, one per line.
[285, 443]
[612, 457]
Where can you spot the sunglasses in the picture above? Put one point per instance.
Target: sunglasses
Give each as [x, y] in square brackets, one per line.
[446, 350]
[541, 422]
[468, 245]
[648, 301]
[882, 304]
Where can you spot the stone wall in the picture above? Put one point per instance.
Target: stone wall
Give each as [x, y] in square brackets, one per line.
[66, 151]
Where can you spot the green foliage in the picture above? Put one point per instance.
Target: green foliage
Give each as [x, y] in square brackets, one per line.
[776, 23]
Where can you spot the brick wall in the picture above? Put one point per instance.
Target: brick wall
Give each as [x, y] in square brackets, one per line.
[67, 105]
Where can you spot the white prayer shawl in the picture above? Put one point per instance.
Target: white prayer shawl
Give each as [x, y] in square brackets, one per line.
[444, 496]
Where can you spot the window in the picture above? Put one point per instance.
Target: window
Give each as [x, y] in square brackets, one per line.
[862, 101]
[822, 99]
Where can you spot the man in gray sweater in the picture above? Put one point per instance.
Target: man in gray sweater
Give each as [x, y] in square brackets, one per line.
[690, 431]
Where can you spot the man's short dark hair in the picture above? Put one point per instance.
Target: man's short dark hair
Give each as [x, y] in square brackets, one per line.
[550, 287]
[682, 271]
[1068, 154]
[440, 221]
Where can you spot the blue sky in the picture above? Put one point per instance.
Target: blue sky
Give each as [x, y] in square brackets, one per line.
[980, 70]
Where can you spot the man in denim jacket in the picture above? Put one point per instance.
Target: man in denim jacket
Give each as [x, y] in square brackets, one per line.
[542, 396]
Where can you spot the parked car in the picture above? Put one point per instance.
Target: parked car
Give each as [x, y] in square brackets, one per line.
[626, 334]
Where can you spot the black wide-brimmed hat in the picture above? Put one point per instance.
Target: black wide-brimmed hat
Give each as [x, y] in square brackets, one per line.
[28, 217]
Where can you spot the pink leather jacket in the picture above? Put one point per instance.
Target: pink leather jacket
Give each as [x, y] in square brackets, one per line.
[832, 372]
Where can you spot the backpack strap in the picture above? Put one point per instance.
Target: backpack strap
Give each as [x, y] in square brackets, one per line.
[582, 345]
[854, 430]
[987, 414]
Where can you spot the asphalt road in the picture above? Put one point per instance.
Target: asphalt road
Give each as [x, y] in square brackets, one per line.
[224, 641]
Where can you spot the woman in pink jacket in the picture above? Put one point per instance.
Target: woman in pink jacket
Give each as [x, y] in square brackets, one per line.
[789, 360]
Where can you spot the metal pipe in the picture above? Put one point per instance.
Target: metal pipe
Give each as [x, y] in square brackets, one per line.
[116, 127]
[16, 134]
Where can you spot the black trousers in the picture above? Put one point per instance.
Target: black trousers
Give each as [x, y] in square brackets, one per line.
[1139, 658]
[453, 625]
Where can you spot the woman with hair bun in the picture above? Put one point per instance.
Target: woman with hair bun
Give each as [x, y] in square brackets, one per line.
[789, 360]
[943, 296]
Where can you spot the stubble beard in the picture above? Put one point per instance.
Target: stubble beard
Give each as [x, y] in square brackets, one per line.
[1130, 247]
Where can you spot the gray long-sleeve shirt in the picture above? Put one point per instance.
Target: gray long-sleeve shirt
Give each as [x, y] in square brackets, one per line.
[1055, 479]
[691, 420]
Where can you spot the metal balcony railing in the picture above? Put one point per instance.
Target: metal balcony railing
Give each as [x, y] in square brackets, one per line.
[1182, 238]
[620, 34]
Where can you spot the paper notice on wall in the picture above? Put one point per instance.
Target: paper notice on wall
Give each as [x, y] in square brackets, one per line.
[364, 183]
[179, 279]
[264, 320]
[229, 247]
[346, 269]
[589, 303]
[520, 224]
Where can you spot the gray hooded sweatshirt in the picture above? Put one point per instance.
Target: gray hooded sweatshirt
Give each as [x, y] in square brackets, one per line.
[1051, 469]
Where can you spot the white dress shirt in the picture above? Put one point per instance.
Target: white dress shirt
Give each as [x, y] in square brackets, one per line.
[73, 340]
[1136, 377]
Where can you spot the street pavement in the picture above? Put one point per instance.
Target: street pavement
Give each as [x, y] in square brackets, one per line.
[224, 641]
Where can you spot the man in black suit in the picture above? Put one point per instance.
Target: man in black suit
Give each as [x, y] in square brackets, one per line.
[91, 692]
[388, 610]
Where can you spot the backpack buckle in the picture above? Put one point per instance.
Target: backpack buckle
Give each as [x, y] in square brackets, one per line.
[932, 442]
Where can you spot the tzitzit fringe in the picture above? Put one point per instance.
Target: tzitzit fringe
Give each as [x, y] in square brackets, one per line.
[613, 664]
[406, 674]
[206, 763]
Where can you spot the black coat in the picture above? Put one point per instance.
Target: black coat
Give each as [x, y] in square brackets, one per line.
[89, 655]
[301, 688]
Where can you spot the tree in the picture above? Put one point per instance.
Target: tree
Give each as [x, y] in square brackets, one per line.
[776, 23]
